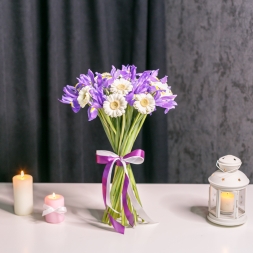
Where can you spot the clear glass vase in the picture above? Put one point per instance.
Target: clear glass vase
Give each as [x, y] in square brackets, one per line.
[127, 128]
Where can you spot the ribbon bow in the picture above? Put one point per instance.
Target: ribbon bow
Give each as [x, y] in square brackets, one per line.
[110, 158]
[49, 209]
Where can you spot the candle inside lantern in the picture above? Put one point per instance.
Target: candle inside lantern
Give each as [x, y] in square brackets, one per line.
[23, 193]
[55, 201]
[227, 202]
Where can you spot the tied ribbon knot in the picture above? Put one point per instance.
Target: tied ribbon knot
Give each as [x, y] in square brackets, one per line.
[110, 158]
[49, 209]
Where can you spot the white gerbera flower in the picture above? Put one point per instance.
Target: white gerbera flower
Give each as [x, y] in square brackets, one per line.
[162, 86]
[115, 105]
[121, 86]
[84, 96]
[144, 103]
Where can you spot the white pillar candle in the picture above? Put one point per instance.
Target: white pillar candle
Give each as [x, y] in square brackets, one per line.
[227, 202]
[23, 194]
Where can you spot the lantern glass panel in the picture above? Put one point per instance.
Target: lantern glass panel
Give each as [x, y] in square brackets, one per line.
[241, 202]
[212, 200]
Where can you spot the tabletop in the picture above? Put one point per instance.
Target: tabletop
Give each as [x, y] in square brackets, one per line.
[179, 209]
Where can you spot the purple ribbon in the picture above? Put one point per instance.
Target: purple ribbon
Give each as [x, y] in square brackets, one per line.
[110, 158]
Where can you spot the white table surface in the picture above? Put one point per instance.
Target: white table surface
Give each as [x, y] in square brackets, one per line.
[180, 210]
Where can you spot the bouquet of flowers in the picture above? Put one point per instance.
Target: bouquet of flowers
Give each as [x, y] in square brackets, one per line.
[122, 99]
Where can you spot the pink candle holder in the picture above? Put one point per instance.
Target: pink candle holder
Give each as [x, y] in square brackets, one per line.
[55, 209]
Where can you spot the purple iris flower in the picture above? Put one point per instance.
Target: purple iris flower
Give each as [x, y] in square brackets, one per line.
[70, 97]
[164, 79]
[98, 99]
[99, 88]
[85, 80]
[92, 113]
[140, 85]
[130, 98]
[133, 72]
[91, 76]
[104, 82]
[113, 70]
[128, 72]
[125, 71]
[153, 75]
[166, 102]
[143, 82]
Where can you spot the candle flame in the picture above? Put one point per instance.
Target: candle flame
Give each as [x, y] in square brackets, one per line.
[22, 173]
[53, 195]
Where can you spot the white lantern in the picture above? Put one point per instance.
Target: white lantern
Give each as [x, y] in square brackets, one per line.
[227, 193]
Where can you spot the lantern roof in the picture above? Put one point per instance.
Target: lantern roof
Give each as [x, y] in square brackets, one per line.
[230, 160]
[229, 180]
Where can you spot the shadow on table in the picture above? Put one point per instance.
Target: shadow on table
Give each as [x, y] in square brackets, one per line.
[96, 213]
[203, 212]
[94, 222]
[6, 207]
[200, 210]
[36, 216]
[180, 206]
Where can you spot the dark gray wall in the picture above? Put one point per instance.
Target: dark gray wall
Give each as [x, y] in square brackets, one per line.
[210, 67]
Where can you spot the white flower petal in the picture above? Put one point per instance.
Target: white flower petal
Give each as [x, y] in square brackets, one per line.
[115, 105]
[145, 103]
[84, 96]
[121, 86]
[162, 86]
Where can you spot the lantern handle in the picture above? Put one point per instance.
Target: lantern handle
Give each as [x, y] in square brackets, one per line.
[218, 166]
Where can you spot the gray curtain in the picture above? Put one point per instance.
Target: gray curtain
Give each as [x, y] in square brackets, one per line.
[45, 45]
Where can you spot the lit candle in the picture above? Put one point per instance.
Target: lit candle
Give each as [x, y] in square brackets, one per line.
[227, 202]
[23, 194]
[55, 201]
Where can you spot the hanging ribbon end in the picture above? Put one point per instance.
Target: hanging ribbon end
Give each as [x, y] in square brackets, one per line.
[117, 226]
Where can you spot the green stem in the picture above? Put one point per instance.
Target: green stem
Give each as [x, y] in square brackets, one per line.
[107, 119]
[122, 132]
[107, 133]
[139, 128]
[129, 134]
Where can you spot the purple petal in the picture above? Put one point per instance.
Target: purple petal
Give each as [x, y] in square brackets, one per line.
[70, 92]
[164, 79]
[91, 75]
[130, 98]
[155, 73]
[157, 95]
[64, 101]
[83, 79]
[99, 80]
[117, 74]
[92, 113]
[167, 110]
[133, 72]
[110, 81]
[170, 97]
[75, 106]
[113, 70]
